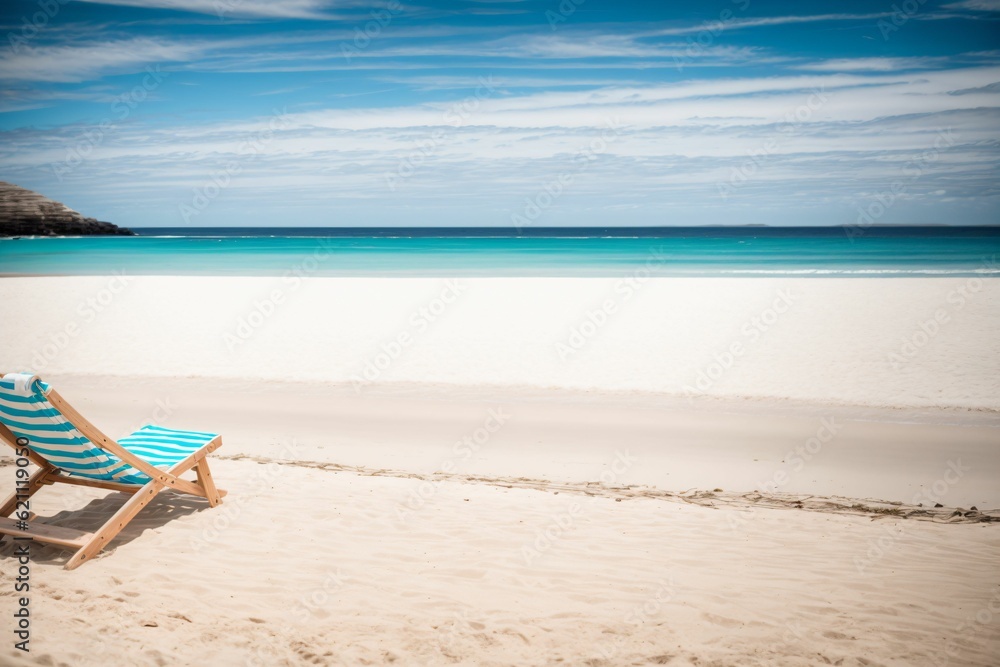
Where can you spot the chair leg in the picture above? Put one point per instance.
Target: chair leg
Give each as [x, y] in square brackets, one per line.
[35, 482]
[121, 519]
[207, 483]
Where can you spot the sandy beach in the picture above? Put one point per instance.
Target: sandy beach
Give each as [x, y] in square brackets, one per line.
[499, 333]
[305, 566]
[480, 500]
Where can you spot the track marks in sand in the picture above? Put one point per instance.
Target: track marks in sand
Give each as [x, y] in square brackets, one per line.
[716, 498]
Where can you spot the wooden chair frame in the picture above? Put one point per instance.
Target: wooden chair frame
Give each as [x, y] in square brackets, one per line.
[87, 545]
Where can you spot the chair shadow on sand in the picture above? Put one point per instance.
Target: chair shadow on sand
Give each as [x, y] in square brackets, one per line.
[162, 510]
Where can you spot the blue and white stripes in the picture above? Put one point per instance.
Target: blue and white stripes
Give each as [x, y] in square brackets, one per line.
[163, 447]
[28, 414]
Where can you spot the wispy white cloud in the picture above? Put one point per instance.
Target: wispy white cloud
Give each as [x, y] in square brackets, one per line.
[705, 103]
[299, 9]
[717, 119]
[80, 60]
[77, 58]
[87, 61]
[976, 5]
[471, 81]
[579, 45]
[874, 64]
[742, 23]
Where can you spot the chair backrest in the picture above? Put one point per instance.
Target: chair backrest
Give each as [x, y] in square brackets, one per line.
[26, 411]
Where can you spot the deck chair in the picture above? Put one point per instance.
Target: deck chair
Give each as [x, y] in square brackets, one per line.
[68, 449]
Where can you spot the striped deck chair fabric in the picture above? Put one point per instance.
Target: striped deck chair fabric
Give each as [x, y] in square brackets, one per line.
[28, 414]
[37, 422]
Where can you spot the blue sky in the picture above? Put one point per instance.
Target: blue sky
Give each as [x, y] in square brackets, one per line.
[505, 112]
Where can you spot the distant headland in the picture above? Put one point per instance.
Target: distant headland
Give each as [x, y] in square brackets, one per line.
[27, 213]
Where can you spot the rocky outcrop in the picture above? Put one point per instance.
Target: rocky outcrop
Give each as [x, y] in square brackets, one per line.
[27, 213]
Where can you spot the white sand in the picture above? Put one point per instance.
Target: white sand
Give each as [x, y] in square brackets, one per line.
[485, 503]
[833, 343]
[305, 566]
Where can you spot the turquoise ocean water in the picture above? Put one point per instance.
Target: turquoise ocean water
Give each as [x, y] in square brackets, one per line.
[889, 252]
